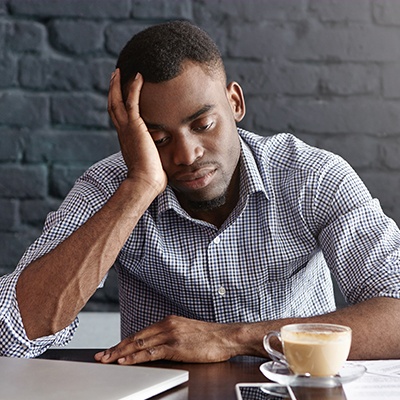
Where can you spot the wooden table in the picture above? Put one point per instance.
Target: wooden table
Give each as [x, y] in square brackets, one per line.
[208, 381]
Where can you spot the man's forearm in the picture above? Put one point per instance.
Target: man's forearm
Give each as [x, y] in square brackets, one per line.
[375, 324]
[53, 289]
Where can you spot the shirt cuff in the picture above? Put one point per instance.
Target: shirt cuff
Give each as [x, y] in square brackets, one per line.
[14, 341]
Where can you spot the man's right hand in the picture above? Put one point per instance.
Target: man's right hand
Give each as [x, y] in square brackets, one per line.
[137, 147]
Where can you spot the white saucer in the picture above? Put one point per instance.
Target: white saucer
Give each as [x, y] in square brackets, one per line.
[279, 373]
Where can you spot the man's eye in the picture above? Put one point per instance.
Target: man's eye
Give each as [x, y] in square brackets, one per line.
[203, 127]
[159, 137]
[159, 142]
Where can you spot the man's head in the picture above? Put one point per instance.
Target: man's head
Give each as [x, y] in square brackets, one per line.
[159, 52]
[190, 112]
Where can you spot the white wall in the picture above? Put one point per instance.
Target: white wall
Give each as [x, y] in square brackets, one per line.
[97, 330]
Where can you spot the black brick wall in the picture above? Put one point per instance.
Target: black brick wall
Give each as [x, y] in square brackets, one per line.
[325, 70]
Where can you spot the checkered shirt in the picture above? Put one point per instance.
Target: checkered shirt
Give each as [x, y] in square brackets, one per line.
[303, 213]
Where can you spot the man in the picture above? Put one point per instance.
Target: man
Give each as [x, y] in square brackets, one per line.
[218, 235]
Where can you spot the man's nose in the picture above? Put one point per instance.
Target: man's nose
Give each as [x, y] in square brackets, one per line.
[187, 149]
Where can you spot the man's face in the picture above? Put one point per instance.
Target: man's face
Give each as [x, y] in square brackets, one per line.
[192, 120]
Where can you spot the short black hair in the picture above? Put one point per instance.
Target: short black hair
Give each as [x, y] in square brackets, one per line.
[158, 52]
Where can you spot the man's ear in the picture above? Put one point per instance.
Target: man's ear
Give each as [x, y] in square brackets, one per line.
[236, 100]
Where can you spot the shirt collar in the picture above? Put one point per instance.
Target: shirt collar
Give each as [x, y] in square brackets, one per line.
[250, 178]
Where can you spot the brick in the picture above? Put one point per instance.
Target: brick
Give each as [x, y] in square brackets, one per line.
[250, 75]
[358, 150]
[76, 37]
[325, 116]
[304, 79]
[390, 80]
[32, 72]
[13, 246]
[249, 11]
[100, 71]
[118, 34]
[87, 110]
[3, 7]
[70, 146]
[243, 44]
[34, 212]
[378, 183]
[8, 71]
[23, 181]
[175, 9]
[23, 109]
[390, 150]
[58, 74]
[5, 26]
[26, 36]
[9, 216]
[349, 79]
[71, 8]
[62, 179]
[357, 42]
[11, 148]
[386, 12]
[310, 79]
[341, 11]
[264, 78]
[68, 75]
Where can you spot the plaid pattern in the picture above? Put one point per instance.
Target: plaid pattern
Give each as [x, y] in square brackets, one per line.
[302, 213]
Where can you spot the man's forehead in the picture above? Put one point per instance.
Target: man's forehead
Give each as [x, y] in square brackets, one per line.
[184, 120]
[186, 94]
[196, 70]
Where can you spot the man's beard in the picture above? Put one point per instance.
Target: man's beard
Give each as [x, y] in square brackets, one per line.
[208, 205]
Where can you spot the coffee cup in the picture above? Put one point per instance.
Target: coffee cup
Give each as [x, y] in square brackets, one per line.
[313, 349]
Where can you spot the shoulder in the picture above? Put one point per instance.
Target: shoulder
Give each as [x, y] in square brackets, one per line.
[109, 168]
[110, 171]
[284, 151]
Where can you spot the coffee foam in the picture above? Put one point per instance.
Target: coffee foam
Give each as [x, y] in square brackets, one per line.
[315, 337]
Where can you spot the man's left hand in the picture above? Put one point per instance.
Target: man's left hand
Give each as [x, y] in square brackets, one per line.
[177, 339]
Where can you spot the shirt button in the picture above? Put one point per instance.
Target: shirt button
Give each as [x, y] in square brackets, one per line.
[217, 240]
[222, 291]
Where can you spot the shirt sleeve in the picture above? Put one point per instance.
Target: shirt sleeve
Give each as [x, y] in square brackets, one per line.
[360, 243]
[13, 339]
[74, 211]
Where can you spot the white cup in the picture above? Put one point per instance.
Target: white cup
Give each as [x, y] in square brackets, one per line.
[313, 349]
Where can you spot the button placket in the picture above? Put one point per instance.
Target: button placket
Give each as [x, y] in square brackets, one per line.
[218, 279]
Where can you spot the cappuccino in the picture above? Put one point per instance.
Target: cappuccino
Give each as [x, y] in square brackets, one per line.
[314, 349]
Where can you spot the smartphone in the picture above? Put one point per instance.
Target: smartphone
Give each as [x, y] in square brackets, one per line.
[261, 391]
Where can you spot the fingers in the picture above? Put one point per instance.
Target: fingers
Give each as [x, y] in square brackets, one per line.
[149, 354]
[175, 338]
[155, 342]
[116, 106]
[118, 110]
[134, 349]
[124, 114]
[132, 101]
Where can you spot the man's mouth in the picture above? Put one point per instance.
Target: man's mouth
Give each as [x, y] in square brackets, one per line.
[197, 179]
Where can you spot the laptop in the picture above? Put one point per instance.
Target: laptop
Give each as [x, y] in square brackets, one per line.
[22, 379]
